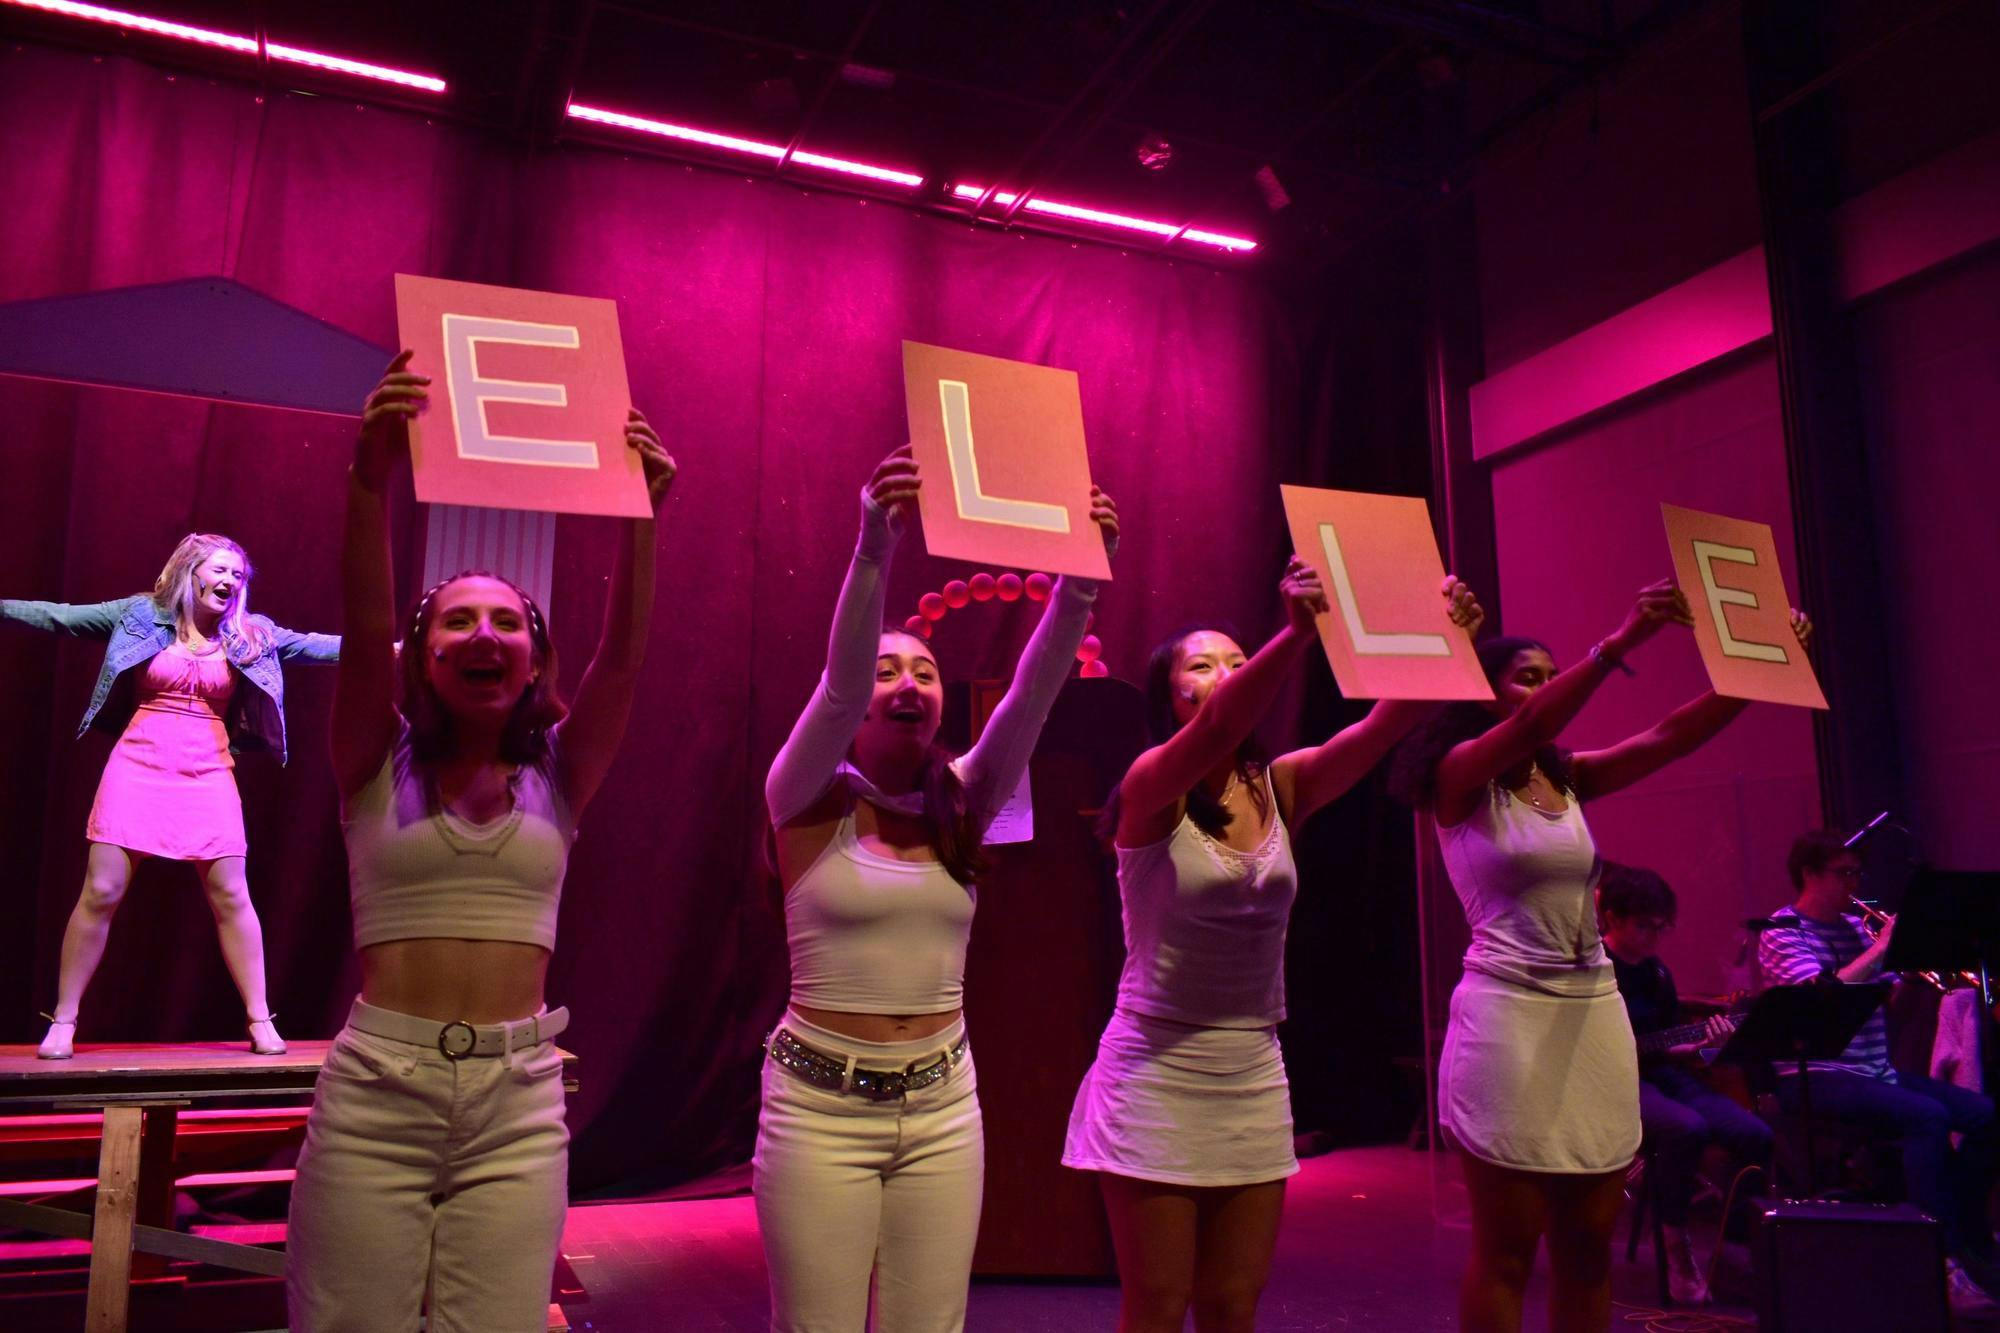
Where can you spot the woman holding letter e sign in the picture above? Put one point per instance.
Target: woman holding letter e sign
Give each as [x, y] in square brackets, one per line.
[1541, 1155]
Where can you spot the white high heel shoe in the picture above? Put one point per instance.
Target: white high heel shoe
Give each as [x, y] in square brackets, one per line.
[266, 1042]
[60, 1043]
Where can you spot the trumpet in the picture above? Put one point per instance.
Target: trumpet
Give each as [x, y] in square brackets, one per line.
[1874, 921]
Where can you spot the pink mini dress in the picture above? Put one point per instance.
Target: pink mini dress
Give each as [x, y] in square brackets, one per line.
[169, 787]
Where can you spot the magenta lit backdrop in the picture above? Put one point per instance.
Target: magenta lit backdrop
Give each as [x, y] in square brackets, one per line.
[762, 325]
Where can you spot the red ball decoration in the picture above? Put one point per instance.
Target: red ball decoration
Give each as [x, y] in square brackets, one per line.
[956, 594]
[1037, 587]
[931, 606]
[981, 587]
[1007, 587]
[1090, 649]
[1095, 670]
[918, 626]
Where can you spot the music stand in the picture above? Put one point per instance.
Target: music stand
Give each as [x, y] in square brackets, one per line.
[1815, 1021]
[1950, 923]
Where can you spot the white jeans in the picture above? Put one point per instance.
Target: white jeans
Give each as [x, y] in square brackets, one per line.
[423, 1173]
[848, 1188]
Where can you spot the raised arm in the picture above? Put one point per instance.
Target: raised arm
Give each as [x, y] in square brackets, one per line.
[1679, 734]
[813, 752]
[292, 645]
[1470, 765]
[364, 694]
[1163, 775]
[88, 620]
[588, 738]
[1785, 959]
[1309, 779]
[992, 768]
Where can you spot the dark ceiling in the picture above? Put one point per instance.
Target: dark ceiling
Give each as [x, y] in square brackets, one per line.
[1362, 110]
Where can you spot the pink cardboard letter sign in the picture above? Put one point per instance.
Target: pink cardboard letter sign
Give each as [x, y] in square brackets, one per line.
[1006, 475]
[1388, 631]
[528, 399]
[1742, 620]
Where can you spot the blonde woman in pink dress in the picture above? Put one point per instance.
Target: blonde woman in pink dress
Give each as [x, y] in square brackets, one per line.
[189, 678]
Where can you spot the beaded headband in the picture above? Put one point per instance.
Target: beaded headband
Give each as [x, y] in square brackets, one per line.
[536, 627]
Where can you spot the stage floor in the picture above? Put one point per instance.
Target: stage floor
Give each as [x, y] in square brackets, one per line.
[1361, 1249]
[1368, 1244]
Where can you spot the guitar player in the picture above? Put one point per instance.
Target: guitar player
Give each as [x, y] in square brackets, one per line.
[1682, 1115]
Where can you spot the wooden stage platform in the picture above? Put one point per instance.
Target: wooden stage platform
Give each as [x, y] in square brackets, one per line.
[159, 1114]
[100, 1075]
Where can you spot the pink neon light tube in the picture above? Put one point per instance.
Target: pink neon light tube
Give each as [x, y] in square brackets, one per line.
[730, 143]
[229, 41]
[1078, 213]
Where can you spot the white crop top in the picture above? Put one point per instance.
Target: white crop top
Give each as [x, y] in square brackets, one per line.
[420, 873]
[1524, 877]
[1205, 927]
[871, 934]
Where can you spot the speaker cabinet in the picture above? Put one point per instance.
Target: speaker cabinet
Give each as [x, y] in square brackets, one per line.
[1854, 1267]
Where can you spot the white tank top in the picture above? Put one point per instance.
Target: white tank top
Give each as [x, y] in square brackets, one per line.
[1524, 877]
[1205, 927]
[870, 934]
[415, 872]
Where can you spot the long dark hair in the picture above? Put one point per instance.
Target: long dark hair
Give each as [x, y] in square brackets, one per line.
[957, 834]
[1203, 808]
[1413, 770]
[525, 738]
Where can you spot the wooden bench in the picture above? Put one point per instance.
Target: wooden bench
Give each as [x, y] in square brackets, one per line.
[158, 1118]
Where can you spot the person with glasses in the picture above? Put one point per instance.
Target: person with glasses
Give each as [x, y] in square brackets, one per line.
[1681, 1115]
[1817, 936]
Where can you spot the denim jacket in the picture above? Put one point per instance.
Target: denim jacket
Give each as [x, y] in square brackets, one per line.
[138, 629]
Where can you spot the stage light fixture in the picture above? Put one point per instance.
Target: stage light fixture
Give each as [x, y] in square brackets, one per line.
[1098, 217]
[229, 41]
[730, 143]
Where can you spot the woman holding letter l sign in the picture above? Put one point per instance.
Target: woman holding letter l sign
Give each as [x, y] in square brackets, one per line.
[870, 1148]
[1185, 1114]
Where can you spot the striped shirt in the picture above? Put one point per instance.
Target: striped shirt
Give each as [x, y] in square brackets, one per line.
[1797, 950]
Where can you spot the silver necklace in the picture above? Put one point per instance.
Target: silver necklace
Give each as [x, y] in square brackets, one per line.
[466, 838]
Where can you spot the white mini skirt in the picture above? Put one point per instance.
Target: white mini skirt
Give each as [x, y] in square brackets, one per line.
[1183, 1105]
[1539, 1082]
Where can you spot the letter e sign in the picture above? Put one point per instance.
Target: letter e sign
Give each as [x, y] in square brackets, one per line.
[528, 399]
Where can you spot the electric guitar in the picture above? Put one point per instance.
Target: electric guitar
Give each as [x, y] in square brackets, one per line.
[1660, 1041]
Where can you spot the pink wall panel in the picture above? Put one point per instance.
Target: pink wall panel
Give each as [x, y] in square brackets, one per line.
[1579, 532]
[1928, 216]
[1714, 313]
[1619, 193]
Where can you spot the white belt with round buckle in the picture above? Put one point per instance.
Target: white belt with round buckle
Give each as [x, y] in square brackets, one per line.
[453, 1047]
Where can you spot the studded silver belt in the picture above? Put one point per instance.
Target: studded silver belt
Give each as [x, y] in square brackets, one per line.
[879, 1085]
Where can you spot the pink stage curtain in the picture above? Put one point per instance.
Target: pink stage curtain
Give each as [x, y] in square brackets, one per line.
[762, 326]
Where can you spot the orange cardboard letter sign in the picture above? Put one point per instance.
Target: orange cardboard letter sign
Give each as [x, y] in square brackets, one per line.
[1000, 446]
[1742, 621]
[528, 399]
[1388, 632]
